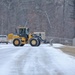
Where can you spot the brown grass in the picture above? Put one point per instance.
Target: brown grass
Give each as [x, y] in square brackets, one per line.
[69, 50]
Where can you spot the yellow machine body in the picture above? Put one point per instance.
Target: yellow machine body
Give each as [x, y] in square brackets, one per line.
[21, 38]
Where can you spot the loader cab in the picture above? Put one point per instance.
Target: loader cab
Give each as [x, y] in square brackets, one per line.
[23, 32]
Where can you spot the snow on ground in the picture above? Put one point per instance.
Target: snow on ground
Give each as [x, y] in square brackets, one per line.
[57, 45]
[42, 60]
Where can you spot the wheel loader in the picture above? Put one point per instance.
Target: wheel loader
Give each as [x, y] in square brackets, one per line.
[23, 37]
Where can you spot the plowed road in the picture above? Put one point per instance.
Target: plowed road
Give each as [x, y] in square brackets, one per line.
[42, 60]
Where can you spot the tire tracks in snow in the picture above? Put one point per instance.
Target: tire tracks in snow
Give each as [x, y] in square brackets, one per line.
[40, 63]
[5, 54]
[19, 61]
[35, 58]
[47, 63]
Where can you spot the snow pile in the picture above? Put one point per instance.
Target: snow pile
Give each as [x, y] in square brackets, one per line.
[42, 60]
[57, 45]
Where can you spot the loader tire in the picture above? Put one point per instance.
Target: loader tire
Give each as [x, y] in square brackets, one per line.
[16, 42]
[33, 42]
[22, 45]
[38, 42]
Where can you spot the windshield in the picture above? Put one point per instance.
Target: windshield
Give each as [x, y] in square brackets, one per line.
[27, 31]
[21, 31]
[24, 31]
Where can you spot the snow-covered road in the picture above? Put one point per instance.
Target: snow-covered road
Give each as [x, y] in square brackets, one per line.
[42, 60]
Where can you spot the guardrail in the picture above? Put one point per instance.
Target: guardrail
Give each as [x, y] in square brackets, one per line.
[64, 41]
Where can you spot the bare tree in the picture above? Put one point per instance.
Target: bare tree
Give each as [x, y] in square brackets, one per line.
[51, 16]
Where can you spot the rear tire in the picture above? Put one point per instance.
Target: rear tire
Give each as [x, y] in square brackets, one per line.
[22, 45]
[16, 42]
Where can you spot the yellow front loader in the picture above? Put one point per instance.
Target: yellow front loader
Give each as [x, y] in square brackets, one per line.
[23, 37]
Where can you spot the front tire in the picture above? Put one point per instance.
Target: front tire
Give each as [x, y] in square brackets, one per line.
[33, 42]
[38, 42]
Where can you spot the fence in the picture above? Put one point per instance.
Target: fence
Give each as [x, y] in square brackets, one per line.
[64, 41]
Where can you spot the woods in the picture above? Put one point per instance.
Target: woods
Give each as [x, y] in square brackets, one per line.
[50, 16]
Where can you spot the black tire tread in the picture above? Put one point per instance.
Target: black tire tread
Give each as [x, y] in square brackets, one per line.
[15, 40]
[31, 42]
